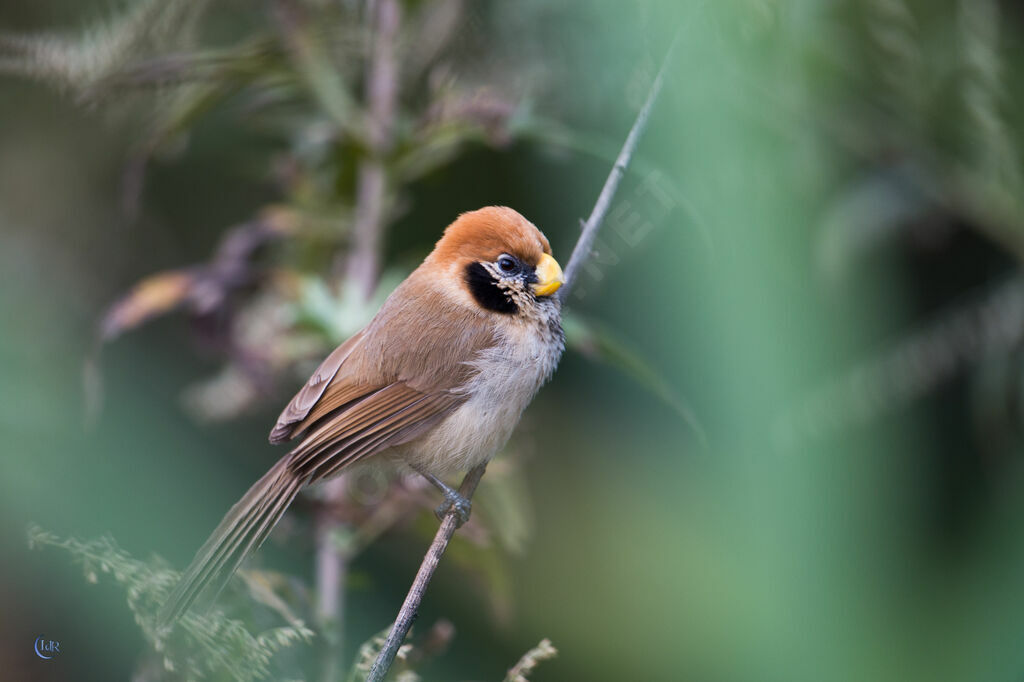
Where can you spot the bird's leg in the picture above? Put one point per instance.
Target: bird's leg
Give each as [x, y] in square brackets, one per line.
[452, 498]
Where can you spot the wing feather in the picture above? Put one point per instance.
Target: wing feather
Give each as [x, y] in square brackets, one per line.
[398, 429]
[388, 417]
[336, 395]
[310, 394]
[388, 384]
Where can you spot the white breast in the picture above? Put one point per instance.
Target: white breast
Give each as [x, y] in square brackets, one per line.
[510, 373]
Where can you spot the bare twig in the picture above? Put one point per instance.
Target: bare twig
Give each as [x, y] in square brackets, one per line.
[407, 614]
[585, 243]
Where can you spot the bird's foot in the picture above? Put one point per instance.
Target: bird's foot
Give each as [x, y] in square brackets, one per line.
[453, 500]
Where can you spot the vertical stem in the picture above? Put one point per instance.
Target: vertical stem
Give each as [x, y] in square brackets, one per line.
[363, 264]
[331, 575]
[362, 270]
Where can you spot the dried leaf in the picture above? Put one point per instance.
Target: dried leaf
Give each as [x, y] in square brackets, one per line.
[155, 295]
[203, 287]
[542, 652]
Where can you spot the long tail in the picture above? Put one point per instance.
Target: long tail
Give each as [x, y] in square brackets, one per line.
[242, 531]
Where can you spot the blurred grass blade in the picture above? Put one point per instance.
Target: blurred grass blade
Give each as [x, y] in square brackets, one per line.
[598, 343]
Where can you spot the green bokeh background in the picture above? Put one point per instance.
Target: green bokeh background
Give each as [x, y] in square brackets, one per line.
[890, 550]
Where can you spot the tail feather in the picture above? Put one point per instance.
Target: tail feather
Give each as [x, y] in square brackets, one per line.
[248, 541]
[241, 532]
[209, 575]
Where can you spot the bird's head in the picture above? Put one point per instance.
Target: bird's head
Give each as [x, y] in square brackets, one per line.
[500, 259]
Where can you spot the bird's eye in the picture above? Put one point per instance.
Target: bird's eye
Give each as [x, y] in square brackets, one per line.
[508, 264]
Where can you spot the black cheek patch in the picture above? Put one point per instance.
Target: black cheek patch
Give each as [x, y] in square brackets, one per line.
[486, 291]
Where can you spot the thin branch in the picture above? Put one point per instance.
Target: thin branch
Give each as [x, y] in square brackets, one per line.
[407, 614]
[585, 243]
[363, 263]
[411, 606]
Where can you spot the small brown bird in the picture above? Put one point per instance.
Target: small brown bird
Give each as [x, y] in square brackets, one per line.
[437, 380]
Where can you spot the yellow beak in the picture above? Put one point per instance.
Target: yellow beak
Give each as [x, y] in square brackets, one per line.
[549, 276]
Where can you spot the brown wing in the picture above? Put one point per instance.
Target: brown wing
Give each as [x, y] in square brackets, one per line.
[388, 384]
[309, 394]
[387, 417]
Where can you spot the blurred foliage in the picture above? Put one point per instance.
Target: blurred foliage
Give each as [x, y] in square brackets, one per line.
[298, 77]
[811, 274]
[207, 646]
[530, 660]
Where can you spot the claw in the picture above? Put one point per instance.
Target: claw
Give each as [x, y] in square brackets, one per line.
[453, 500]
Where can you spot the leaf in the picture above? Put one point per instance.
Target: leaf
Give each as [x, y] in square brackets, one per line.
[153, 296]
[312, 61]
[454, 121]
[339, 315]
[600, 344]
[77, 63]
[204, 287]
[867, 215]
[910, 367]
[429, 31]
[200, 644]
[247, 61]
[505, 503]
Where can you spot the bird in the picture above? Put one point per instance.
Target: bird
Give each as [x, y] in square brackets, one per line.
[436, 381]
